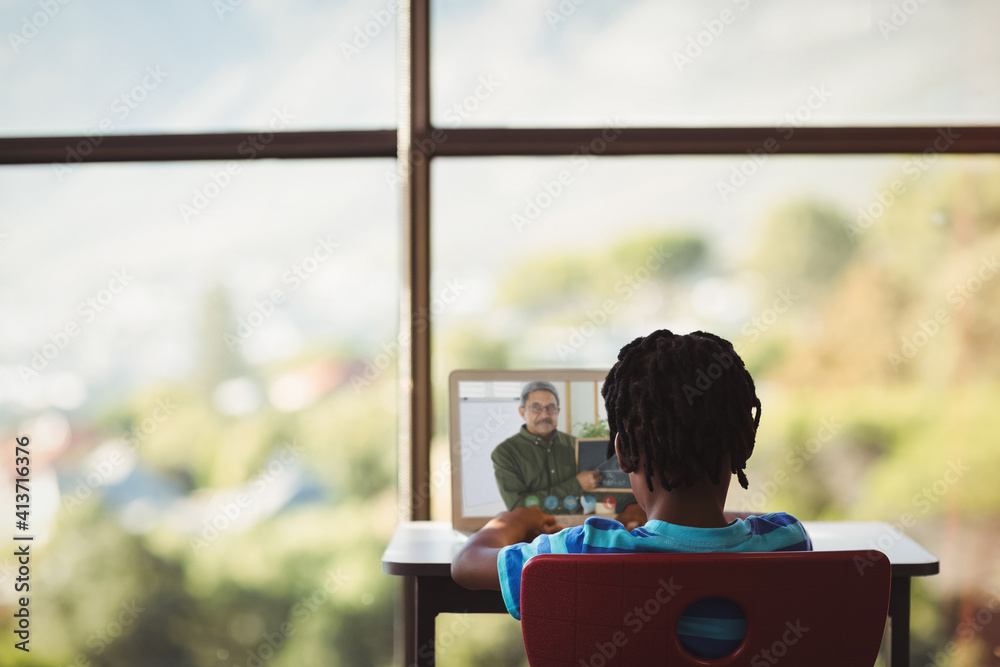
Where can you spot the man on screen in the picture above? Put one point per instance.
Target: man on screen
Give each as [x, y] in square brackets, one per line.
[538, 465]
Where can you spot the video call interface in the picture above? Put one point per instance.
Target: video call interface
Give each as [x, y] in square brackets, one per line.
[488, 417]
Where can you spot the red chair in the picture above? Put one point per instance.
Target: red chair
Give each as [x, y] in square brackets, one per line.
[802, 608]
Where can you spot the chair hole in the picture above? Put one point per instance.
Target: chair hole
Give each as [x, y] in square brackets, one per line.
[711, 628]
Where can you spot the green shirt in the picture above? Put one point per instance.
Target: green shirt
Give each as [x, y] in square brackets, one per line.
[527, 465]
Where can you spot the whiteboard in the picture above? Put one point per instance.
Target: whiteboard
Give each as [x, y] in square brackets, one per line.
[479, 484]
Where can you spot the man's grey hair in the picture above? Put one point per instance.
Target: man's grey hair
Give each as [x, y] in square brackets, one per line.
[538, 385]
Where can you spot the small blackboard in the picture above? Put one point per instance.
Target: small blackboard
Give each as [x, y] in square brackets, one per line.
[592, 454]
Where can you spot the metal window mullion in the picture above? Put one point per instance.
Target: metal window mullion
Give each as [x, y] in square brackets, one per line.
[414, 418]
[209, 146]
[488, 142]
[414, 177]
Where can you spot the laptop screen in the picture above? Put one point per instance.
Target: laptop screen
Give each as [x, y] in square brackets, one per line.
[505, 454]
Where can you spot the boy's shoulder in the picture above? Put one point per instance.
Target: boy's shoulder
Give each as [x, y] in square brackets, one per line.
[780, 518]
[773, 531]
[780, 531]
[772, 520]
[602, 523]
[595, 535]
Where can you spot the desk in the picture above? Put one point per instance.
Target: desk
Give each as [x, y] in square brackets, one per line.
[421, 552]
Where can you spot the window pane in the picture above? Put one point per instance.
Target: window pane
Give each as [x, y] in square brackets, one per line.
[210, 452]
[862, 292]
[123, 67]
[724, 62]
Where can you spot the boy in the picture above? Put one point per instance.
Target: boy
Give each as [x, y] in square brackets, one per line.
[683, 415]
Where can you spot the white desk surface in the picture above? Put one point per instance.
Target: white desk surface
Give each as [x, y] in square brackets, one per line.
[427, 547]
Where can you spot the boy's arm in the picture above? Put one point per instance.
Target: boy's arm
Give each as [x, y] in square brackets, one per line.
[475, 565]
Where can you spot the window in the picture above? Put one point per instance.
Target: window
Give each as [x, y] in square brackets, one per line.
[202, 342]
[724, 63]
[231, 65]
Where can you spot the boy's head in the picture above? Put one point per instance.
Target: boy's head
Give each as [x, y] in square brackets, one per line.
[684, 407]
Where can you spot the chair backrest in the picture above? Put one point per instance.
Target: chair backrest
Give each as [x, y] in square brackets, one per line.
[600, 610]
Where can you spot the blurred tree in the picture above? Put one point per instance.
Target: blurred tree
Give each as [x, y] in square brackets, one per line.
[552, 284]
[306, 562]
[592, 430]
[804, 245]
[106, 600]
[219, 339]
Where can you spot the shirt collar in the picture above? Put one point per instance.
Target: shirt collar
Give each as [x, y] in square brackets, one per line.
[735, 533]
[537, 439]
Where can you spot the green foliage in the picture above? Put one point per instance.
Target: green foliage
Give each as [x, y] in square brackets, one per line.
[805, 245]
[552, 284]
[207, 594]
[479, 639]
[105, 597]
[592, 430]
[686, 252]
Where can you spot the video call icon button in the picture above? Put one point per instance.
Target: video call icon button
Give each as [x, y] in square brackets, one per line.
[531, 501]
[551, 502]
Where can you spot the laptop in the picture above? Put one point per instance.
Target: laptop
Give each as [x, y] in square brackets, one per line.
[483, 414]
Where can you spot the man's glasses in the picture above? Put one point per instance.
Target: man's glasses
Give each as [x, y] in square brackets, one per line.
[537, 409]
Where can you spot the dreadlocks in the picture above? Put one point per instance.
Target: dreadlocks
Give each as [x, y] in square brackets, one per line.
[684, 402]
